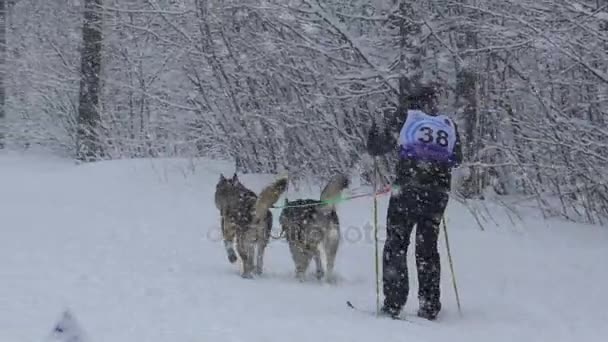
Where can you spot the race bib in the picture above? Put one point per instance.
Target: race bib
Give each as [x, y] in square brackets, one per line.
[427, 138]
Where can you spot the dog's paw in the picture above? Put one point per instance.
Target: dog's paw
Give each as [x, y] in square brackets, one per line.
[232, 258]
[247, 276]
[258, 271]
[331, 279]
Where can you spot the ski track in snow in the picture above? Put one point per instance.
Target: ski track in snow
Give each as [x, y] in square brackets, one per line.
[132, 249]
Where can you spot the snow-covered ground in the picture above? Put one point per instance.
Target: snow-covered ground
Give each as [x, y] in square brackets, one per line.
[132, 248]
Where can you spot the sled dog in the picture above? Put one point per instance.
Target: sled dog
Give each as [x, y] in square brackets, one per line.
[308, 223]
[246, 217]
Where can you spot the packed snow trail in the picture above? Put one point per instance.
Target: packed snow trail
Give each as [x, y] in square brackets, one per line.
[133, 249]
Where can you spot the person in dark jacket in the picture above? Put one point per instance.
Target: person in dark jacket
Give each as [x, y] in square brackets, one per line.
[428, 145]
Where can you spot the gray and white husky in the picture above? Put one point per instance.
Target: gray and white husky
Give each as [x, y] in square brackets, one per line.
[246, 217]
[309, 224]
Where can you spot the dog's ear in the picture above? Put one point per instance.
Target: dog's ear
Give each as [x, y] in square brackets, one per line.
[222, 178]
[235, 179]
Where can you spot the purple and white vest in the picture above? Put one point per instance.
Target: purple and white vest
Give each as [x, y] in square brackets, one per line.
[427, 138]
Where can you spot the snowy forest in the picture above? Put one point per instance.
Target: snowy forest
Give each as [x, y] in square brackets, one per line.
[294, 85]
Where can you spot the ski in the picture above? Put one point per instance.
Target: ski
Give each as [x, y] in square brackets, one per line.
[370, 312]
[409, 319]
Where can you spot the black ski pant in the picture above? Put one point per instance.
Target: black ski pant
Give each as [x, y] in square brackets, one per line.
[408, 208]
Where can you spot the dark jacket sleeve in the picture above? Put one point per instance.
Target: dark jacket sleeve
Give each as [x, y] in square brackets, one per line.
[380, 142]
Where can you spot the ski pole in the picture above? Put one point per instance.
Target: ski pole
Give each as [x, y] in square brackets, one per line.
[376, 236]
[447, 246]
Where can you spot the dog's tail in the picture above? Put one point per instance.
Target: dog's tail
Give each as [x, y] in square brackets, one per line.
[333, 190]
[269, 196]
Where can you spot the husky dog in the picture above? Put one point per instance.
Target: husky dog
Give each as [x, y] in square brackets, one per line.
[307, 223]
[246, 217]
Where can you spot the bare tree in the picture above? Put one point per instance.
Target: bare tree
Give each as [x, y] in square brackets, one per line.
[3, 23]
[89, 144]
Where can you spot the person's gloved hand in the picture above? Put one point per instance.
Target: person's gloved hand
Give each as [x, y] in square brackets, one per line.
[378, 144]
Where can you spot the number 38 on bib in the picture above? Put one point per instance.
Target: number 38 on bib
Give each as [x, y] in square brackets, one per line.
[427, 138]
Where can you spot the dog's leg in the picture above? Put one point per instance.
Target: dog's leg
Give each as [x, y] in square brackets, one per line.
[331, 243]
[262, 241]
[319, 264]
[250, 264]
[259, 263]
[245, 249]
[228, 232]
[232, 257]
[301, 260]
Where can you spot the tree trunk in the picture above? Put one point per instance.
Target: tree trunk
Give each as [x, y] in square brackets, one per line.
[88, 143]
[468, 105]
[410, 69]
[3, 15]
[466, 84]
